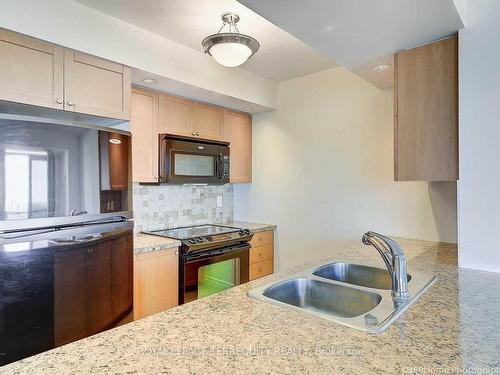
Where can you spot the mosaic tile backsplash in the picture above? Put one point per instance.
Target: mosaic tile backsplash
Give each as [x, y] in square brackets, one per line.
[167, 206]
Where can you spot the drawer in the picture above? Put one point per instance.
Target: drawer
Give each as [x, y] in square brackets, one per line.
[260, 253]
[261, 269]
[262, 238]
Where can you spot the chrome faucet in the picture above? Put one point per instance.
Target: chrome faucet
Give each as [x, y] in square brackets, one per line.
[395, 261]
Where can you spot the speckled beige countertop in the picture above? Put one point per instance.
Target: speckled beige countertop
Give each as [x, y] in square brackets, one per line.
[455, 325]
[145, 243]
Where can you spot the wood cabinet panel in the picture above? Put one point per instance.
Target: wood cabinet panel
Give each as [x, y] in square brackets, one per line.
[144, 128]
[261, 269]
[122, 275]
[260, 253]
[31, 71]
[118, 162]
[99, 286]
[175, 115]
[426, 112]
[238, 132]
[70, 301]
[155, 282]
[208, 121]
[96, 86]
[262, 238]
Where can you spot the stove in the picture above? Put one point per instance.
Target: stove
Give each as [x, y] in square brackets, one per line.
[199, 238]
[212, 258]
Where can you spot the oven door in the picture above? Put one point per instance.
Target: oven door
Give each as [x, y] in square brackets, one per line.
[213, 271]
[193, 161]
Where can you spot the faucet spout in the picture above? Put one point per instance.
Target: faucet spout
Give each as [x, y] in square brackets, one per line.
[395, 261]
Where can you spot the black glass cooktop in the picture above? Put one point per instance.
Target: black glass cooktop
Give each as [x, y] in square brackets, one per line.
[184, 233]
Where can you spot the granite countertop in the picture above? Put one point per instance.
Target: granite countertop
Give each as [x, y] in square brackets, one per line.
[454, 325]
[146, 243]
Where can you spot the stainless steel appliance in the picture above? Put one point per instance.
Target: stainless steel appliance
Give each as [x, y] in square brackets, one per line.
[65, 234]
[185, 160]
[212, 258]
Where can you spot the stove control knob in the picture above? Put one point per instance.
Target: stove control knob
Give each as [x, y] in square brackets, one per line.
[241, 232]
[192, 241]
[199, 240]
[247, 231]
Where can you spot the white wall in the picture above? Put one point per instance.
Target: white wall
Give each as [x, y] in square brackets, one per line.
[323, 171]
[479, 186]
[74, 25]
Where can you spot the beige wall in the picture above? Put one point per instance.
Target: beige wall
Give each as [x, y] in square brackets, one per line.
[323, 171]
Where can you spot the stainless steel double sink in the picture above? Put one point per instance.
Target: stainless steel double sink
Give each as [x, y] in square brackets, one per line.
[353, 295]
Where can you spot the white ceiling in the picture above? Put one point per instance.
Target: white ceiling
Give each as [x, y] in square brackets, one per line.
[280, 57]
[359, 34]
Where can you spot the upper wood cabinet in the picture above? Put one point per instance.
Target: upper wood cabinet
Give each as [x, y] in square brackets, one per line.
[207, 121]
[144, 128]
[153, 113]
[31, 71]
[175, 115]
[238, 131]
[96, 86]
[39, 73]
[426, 112]
[118, 165]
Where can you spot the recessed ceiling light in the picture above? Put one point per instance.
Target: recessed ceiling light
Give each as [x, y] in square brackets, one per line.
[381, 67]
[115, 141]
[328, 28]
[247, 108]
[150, 81]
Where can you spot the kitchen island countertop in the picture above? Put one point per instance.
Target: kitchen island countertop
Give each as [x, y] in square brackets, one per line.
[454, 325]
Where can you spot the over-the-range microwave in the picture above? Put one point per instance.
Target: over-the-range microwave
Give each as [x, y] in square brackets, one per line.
[187, 160]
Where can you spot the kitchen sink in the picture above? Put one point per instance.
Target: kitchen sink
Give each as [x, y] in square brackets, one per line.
[323, 297]
[348, 294]
[357, 274]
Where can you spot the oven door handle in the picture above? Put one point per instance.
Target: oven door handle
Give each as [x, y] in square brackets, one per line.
[193, 257]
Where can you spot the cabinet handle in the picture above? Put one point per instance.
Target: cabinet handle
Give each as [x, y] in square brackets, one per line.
[71, 103]
[59, 101]
[176, 252]
[198, 134]
[193, 133]
[90, 251]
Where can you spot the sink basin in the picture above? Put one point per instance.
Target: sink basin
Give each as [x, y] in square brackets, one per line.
[352, 295]
[370, 277]
[323, 297]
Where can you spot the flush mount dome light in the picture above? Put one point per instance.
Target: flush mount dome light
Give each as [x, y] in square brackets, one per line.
[230, 48]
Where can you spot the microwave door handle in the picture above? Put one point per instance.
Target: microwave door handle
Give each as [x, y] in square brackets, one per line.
[219, 166]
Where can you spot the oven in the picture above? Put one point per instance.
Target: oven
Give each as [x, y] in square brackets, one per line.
[211, 271]
[185, 160]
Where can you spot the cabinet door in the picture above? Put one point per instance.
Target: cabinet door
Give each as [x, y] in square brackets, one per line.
[118, 162]
[238, 131]
[31, 71]
[208, 121]
[96, 86]
[175, 115]
[156, 284]
[122, 274]
[70, 314]
[426, 112]
[99, 285]
[144, 126]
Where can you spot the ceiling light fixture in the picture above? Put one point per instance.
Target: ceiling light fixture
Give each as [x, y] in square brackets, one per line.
[229, 47]
[381, 67]
[150, 81]
[115, 141]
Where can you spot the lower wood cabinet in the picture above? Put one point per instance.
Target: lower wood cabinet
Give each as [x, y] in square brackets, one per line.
[262, 254]
[92, 288]
[156, 282]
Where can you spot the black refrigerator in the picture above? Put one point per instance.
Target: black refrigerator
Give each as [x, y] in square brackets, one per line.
[66, 234]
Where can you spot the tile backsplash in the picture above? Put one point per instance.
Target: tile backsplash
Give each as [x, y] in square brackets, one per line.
[167, 206]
